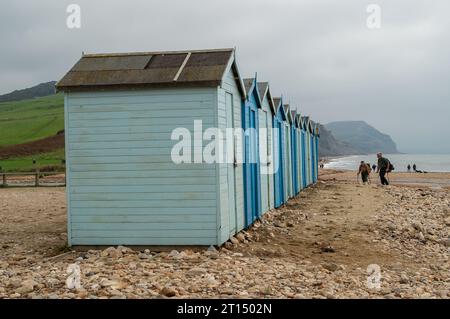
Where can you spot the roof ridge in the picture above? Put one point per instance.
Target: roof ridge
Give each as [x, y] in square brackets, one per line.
[98, 55]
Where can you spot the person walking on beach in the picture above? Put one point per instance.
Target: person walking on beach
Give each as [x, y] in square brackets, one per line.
[369, 168]
[409, 168]
[414, 168]
[374, 167]
[383, 168]
[364, 171]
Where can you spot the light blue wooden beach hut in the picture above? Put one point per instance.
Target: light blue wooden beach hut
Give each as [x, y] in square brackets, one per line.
[298, 132]
[288, 152]
[127, 118]
[304, 152]
[309, 151]
[252, 176]
[313, 152]
[278, 151]
[294, 150]
[266, 114]
[316, 145]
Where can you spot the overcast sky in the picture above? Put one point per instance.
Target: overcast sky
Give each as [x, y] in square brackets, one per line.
[319, 54]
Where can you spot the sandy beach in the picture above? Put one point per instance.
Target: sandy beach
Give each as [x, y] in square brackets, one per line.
[337, 239]
[433, 180]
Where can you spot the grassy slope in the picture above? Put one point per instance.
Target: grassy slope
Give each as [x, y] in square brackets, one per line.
[30, 120]
[25, 164]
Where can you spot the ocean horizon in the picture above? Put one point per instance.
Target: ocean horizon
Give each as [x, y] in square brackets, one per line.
[424, 162]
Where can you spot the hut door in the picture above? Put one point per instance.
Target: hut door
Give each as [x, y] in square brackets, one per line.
[278, 156]
[304, 160]
[254, 167]
[231, 168]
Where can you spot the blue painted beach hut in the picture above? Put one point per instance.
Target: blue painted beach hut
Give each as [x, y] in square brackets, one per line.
[278, 151]
[131, 121]
[316, 145]
[288, 153]
[294, 150]
[304, 152]
[252, 178]
[309, 167]
[266, 114]
[313, 152]
[298, 133]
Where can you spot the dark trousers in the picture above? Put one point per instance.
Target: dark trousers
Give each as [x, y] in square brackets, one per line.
[383, 179]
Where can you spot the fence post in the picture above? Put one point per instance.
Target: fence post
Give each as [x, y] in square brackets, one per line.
[36, 180]
[63, 162]
[4, 179]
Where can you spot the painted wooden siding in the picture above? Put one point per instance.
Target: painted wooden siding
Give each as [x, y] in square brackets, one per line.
[266, 116]
[269, 115]
[262, 116]
[309, 152]
[123, 187]
[299, 158]
[290, 192]
[285, 164]
[229, 85]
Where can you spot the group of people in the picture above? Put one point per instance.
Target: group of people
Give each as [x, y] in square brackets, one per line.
[414, 167]
[383, 168]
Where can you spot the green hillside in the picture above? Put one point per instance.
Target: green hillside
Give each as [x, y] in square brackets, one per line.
[30, 120]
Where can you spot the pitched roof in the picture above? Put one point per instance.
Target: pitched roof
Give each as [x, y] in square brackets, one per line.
[298, 119]
[248, 84]
[276, 101]
[165, 68]
[287, 110]
[262, 88]
[294, 117]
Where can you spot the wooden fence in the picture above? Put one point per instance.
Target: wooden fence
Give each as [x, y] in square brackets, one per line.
[35, 181]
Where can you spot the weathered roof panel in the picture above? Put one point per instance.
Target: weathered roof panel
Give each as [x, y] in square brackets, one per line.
[112, 63]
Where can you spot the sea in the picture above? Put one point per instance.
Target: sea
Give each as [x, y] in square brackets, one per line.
[424, 162]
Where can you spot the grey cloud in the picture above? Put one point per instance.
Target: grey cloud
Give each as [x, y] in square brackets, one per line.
[319, 54]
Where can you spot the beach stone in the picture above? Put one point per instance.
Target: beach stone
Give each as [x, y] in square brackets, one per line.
[26, 287]
[404, 279]
[212, 249]
[446, 242]
[114, 284]
[328, 249]
[124, 250]
[15, 283]
[107, 251]
[144, 256]
[447, 221]
[197, 271]
[420, 236]
[240, 237]
[234, 240]
[330, 266]
[168, 292]
[173, 254]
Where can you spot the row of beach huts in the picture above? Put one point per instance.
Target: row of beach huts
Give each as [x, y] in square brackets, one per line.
[126, 113]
